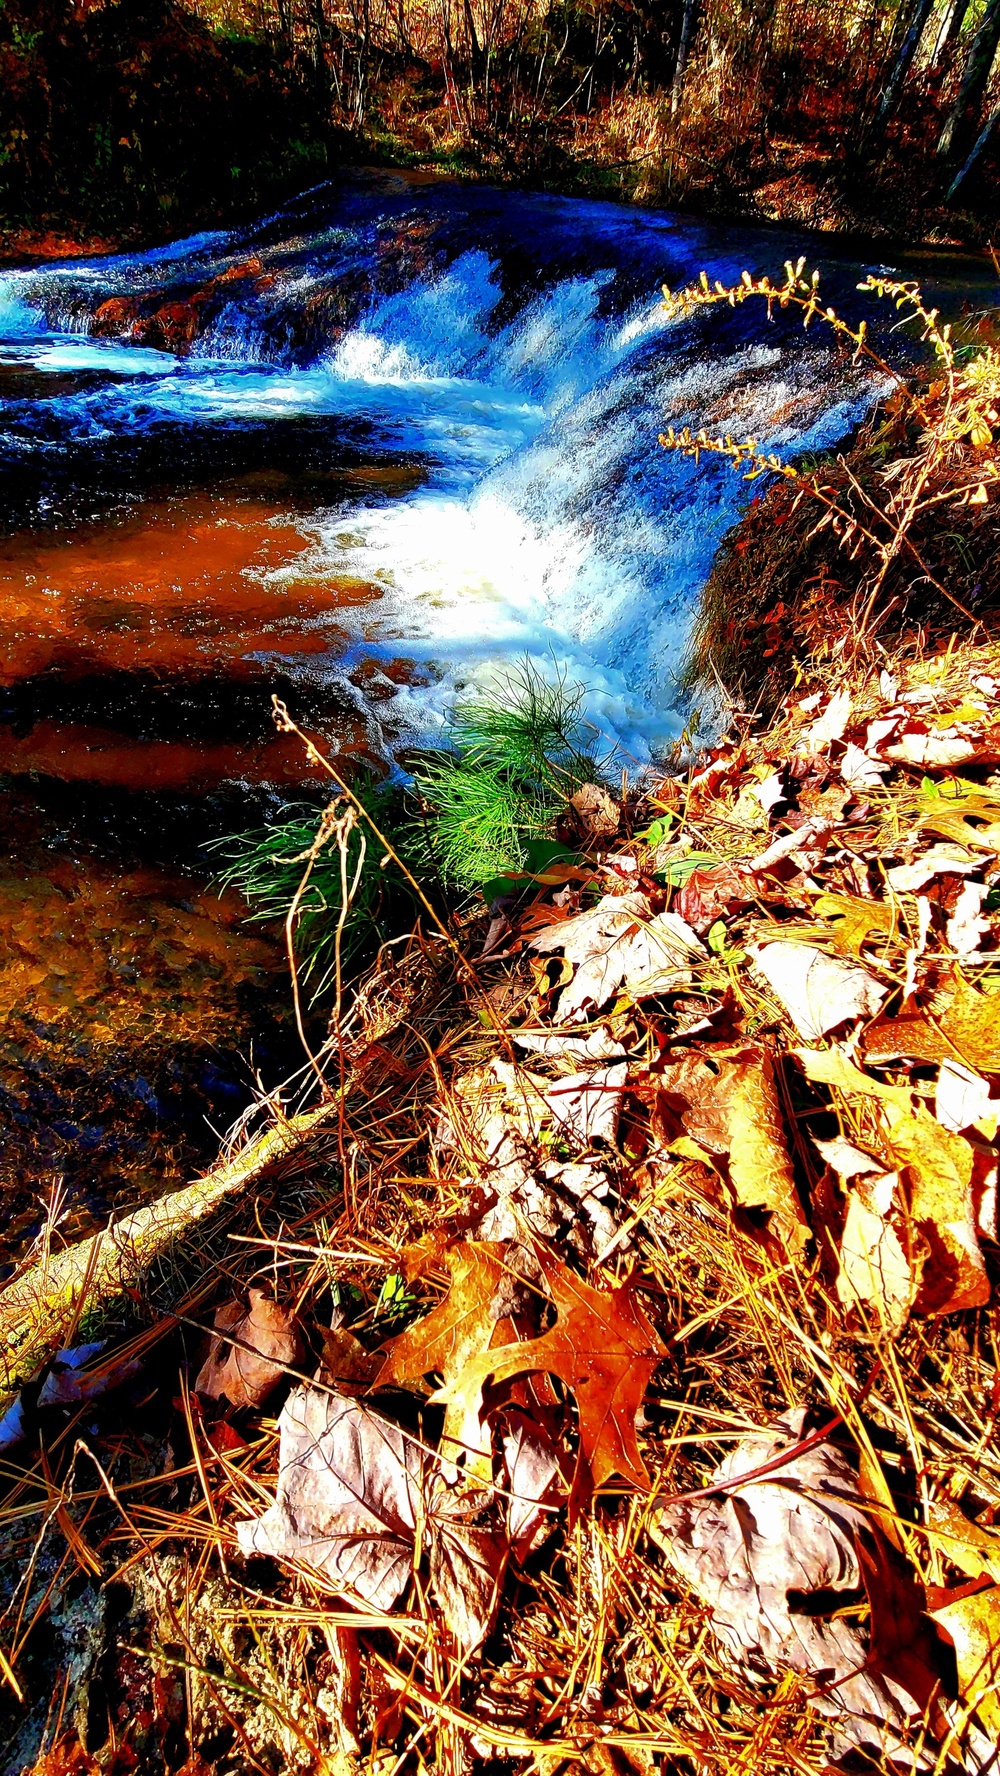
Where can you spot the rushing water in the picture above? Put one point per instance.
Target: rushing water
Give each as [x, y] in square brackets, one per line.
[359, 454]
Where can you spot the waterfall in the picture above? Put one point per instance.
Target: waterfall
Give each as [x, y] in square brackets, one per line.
[514, 350]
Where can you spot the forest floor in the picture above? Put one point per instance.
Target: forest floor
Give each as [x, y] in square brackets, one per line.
[660, 1201]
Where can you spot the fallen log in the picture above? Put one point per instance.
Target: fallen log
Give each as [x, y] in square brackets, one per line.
[41, 1304]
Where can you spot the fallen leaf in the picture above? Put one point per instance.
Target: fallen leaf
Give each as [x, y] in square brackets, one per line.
[831, 1066]
[853, 921]
[858, 770]
[349, 1489]
[967, 1027]
[466, 1560]
[962, 1101]
[586, 1106]
[972, 1624]
[269, 1344]
[598, 815]
[904, 1648]
[70, 1382]
[558, 1045]
[879, 730]
[966, 929]
[604, 1348]
[807, 842]
[460, 1327]
[769, 791]
[346, 1361]
[830, 725]
[730, 1108]
[760, 1554]
[939, 1170]
[954, 817]
[934, 750]
[818, 992]
[970, 1547]
[940, 860]
[846, 1160]
[876, 1267]
[617, 946]
[709, 892]
[534, 1483]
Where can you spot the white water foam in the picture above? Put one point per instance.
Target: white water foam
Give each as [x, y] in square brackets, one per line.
[550, 524]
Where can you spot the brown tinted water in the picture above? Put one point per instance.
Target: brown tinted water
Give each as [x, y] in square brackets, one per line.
[138, 656]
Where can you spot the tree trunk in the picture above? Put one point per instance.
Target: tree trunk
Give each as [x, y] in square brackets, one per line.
[964, 114]
[901, 67]
[689, 24]
[949, 33]
[980, 143]
[38, 1308]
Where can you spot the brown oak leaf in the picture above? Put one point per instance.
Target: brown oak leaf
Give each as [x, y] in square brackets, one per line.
[730, 1107]
[604, 1348]
[265, 1342]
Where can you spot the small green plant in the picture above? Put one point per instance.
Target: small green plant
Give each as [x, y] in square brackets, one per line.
[520, 754]
[478, 813]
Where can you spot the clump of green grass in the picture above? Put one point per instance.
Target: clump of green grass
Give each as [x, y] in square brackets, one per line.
[266, 864]
[520, 752]
[484, 810]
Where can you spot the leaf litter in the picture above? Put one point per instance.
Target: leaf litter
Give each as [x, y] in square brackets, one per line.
[645, 1293]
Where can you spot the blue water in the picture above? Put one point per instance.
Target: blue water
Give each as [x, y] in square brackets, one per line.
[515, 348]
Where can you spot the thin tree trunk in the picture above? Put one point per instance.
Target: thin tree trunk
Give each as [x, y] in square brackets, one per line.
[38, 1307]
[964, 114]
[689, 24]
[980, 143]
[901, 67]
[950, 31]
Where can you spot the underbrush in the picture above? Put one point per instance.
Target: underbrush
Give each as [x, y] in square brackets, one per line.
[875, 549]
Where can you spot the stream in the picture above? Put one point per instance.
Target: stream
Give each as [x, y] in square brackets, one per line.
[359, 455]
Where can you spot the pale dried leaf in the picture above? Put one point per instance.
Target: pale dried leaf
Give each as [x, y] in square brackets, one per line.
[466, 1559]
[558, 1045]
[534, 1483]
[810, 840]
[69, 1382]
[860, 771]
[349, 1485]
[830, 725]
[940, 860]
[618, 947]
[818, 992]
[751, 1554]
[879, 730]
[846, 1160]
[938, 749]
[962, 1100]
[876, 1269]
[966, 928]
[586, 1106]
[769, 791]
